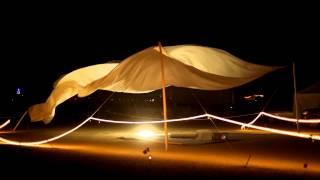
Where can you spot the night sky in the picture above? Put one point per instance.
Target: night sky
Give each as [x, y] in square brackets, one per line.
[40, 44]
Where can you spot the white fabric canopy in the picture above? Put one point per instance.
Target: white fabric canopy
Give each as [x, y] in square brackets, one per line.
[215, 61]
[184, 66]
[67, 87]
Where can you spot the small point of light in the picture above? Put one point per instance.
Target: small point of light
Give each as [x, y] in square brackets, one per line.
[149, 157]
[223, 137]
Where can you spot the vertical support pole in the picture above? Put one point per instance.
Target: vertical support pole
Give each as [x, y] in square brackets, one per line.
[164, 100]
[295, 96]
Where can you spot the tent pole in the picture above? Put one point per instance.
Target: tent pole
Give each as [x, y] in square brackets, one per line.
[164, 101]
[21, 118]
[295, 95]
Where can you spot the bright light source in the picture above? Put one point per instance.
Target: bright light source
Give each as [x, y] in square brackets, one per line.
[149, 157]
[146, 134]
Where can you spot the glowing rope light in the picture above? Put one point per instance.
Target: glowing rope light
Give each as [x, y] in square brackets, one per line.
[277, 131]
[308, 121]
[149, 122]
[5, 124]
[43, 141]
[96, 119]
[253, 121]
[303, 121]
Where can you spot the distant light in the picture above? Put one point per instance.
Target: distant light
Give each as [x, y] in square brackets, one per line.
[223, 137]
[149, 157]
[18, 91]
[253, 97]
[146, 134]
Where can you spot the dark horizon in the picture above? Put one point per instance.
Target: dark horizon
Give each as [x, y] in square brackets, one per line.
[40, 48]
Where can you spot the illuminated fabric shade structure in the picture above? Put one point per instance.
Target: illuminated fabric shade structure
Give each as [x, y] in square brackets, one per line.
[186, 66]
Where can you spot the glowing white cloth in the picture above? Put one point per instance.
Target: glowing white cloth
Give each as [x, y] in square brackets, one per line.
[184, 66]
[67, 87]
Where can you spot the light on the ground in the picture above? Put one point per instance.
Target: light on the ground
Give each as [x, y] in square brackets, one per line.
[146, 134]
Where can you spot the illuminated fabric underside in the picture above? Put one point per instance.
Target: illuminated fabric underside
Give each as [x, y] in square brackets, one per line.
[185, 66]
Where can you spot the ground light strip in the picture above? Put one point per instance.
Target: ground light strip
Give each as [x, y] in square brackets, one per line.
[4, 124]
[302, 121]
[277, 131]
[309, 121]
[96, 119]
